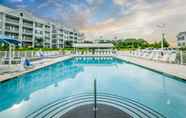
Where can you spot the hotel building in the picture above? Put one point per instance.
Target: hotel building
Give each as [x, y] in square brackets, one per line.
[181, 39]
[34, 31]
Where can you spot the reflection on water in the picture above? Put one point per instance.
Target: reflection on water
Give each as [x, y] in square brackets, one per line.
[19, 89]
[29, 92]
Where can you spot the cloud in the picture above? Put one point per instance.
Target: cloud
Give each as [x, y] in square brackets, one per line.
[49, 3]
[119, 2]
[72, 13]
[121, 18]
[16, 0]
[141, 19]
[94, 2]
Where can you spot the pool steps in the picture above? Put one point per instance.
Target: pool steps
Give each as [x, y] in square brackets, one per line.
[59, 107]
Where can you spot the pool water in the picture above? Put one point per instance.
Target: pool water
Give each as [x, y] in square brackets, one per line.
[29, 92]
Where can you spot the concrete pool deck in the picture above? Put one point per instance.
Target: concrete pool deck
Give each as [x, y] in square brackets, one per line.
[176, 70]
[36, 65]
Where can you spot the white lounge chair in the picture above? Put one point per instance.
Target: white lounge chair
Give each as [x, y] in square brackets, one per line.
[172, 58]
[157, 56]
[150, 56]
[145, 55]
[165, 58]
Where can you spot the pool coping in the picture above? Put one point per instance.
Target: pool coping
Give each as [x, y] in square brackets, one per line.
[170, 75]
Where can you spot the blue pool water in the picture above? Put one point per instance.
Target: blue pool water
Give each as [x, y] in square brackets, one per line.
[29, 92]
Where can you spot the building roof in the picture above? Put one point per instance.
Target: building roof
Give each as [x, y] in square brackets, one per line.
[9, 40]
[93, 45]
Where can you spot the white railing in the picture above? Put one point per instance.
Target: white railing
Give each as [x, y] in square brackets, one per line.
[168, 56]
[32, 55]
[17, 54]
[95, 53]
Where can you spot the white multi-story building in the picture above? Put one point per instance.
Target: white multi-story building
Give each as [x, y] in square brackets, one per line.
[181, 39]
[34, 31]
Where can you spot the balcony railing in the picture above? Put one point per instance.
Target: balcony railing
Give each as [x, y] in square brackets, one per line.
[27, 25]
[12, 30]
[28, 33]
[12, 21]
[27, 40]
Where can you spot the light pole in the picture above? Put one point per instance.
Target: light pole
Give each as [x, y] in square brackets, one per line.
[162, 26]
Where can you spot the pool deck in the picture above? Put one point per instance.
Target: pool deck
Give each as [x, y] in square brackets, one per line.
[36, 65]
[176, 70]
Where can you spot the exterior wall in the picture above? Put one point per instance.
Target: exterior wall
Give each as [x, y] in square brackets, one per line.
[181, 40]
[34, 31]
[1, 22]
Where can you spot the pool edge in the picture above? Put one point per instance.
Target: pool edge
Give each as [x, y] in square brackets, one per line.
[154, 70]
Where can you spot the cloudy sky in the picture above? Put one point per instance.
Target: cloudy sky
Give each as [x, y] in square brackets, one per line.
[113, 18]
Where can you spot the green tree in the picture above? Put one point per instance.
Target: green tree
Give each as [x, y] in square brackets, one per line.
[130, 43]
[165, 43]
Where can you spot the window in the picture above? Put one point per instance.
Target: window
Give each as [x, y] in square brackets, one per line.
[181, 38]
[21, 14]
[38, 32]
[39, 25]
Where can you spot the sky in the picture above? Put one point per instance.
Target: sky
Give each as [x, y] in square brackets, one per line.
[113, 19]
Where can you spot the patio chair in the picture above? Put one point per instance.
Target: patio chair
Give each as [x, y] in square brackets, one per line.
[150, 56]
[172, 58]
[156, 56]
[165, 58]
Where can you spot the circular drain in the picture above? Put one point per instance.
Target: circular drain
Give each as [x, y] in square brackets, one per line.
[63, 106]
[104, 111]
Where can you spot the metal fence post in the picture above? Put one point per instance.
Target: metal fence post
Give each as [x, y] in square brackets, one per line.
[181, 57]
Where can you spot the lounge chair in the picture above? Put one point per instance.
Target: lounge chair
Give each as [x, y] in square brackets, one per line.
[165, 58]
[145, 55]
[150, 56]
[156, 56]
[172, 58]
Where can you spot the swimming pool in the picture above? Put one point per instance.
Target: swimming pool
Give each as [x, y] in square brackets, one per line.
[28, 93]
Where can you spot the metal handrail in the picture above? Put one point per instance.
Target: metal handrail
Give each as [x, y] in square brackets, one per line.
[95, 98]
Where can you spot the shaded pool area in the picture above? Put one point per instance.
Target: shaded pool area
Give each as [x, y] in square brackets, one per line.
[28, 93]
[104, 111]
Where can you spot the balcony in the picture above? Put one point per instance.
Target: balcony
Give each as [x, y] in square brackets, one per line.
[38, 25]
[47, 37]
[11, 21]
[28, 33]
[12, 35]
[47, 41]
[27, 25]
[47, 30]
[27, 40]
[38, 36]
[12, 30]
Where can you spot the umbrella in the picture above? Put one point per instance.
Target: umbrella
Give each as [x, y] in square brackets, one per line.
[10, 41]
